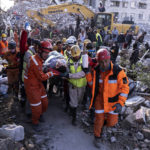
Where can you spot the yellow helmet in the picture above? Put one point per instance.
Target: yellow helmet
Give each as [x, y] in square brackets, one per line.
[75, 51]
[64, 40]
[4, 35]
[86, 41]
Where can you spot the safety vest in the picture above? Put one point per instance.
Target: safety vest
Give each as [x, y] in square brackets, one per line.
[25, 64]
[108, 88]
[77, 82]
[98, 35]
[66, 55]
[3, 47]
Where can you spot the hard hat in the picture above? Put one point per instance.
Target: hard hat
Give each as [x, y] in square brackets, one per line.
[27, 26]
[86, 41]
[103, 54]
[12, 45]
[73, 38]
[46, 46]
[4, 35]
[75, 51]
[70, 42]
[64, 40]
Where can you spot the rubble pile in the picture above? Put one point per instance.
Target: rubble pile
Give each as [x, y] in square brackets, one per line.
[17, 15]
[133, 127]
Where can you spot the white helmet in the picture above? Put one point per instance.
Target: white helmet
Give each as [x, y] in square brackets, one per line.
[70, 42]
[73, 38]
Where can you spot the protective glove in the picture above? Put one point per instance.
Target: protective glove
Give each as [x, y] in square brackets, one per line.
[53, 71]
[86, 70]
[118, 108]
[66, 75]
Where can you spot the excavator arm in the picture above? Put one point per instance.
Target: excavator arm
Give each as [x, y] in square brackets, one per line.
[39, 18]
[59, 9]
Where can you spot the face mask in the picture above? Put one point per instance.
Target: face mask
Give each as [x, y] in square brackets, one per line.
[4, 39]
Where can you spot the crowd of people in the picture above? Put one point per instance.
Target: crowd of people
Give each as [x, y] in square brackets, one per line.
[25, 51]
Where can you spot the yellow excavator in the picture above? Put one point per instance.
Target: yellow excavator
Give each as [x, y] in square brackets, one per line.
[102, 20]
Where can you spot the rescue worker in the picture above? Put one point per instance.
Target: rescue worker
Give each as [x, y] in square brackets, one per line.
[99, 40]
[3, 44]
[34, 87]
[141, 37]
[109, 92]
[12, 56]
[114, 52]
[59, 47]
[67, 55]
[115, 34]
[77, 80]
[34, 44]
[67, 52]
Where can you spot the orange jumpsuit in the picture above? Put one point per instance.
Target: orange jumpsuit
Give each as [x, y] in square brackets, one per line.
[3, 47]
[34, 88]
[108, 88]
[13, 69]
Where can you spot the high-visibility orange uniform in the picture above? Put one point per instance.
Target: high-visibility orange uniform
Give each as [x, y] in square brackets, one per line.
[34, 88]
[3, 47]
[13, 68]
[108, 88]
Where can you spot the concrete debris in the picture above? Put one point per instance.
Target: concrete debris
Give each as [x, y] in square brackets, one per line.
[140, 115]
[134, 101]
[29, 145]
[15, 132]
[147, 103]
[139, 136]
[129, 121]
[141, 87]
[147, 141]
[129, 110]
[40, 139]
[9, 144]
[123, 110]
[113, 139]
[148, 116]
[6, 144]
[146, 132]
[146, 63]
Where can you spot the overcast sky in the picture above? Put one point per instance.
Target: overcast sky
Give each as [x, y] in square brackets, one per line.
[6, 4]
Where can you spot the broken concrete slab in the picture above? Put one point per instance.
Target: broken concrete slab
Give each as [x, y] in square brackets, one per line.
[129, 111]
[129, 121]
[15, 132]
[134, 101]
[140, 115]
[148, 116]
[146, 132]
[6, 144]
[147, 103]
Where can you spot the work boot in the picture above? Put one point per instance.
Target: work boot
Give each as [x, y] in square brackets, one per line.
[36, 127]
[42, 119]
[97, 142]
[74, 114]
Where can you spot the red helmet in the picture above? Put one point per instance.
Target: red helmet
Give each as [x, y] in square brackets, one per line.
[103, 54]
[46, 46]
